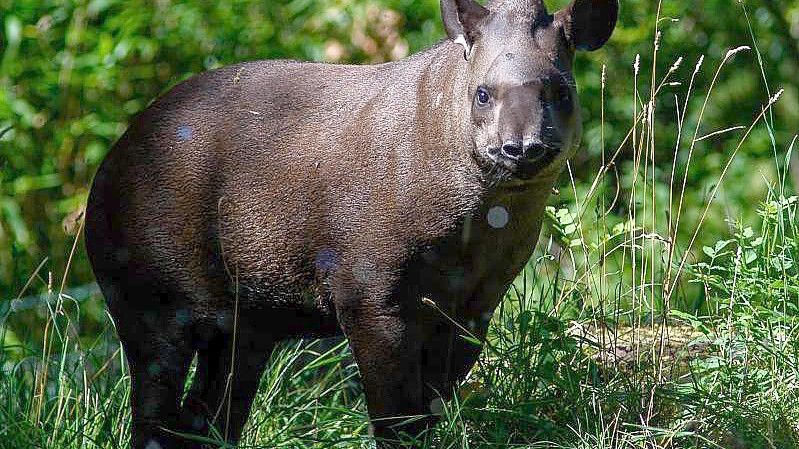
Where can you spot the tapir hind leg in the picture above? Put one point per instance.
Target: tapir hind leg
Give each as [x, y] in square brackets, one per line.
[159, 353]
[225, 383]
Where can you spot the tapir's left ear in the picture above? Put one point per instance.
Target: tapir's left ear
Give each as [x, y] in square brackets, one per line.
[588, 24]
[461, 20]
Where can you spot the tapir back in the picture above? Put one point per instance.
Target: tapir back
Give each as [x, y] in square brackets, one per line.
[252, 179]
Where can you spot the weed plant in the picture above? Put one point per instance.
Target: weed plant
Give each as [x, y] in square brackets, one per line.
[620, 333]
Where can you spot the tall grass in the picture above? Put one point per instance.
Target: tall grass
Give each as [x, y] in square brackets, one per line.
[620, 333]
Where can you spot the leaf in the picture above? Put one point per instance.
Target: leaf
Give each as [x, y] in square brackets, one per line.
[13, 214]
[472, 340]
[25, 184]
[694, 321]
[13, 31]
[525, 317]
[682, 315]
[721, 244]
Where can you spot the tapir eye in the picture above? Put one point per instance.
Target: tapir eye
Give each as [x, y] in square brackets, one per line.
[482, 96]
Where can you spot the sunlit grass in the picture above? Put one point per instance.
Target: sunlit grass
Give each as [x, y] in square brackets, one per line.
[622, 332]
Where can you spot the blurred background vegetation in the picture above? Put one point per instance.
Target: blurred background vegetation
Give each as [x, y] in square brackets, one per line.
[73, 72]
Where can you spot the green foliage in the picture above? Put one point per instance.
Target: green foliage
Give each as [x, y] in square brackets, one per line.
[756, 271]
[659, 311]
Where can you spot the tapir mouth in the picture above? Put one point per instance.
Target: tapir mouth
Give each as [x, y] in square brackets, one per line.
[523, 167]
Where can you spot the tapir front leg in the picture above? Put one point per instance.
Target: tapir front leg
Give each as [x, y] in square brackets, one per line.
[385, 341]
[449, 351]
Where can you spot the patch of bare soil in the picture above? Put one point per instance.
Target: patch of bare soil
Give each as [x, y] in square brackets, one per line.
[629, 346]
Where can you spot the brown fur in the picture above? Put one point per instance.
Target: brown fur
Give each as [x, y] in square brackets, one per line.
[282, 199]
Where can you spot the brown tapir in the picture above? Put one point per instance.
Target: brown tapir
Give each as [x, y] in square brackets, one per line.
[275, 199]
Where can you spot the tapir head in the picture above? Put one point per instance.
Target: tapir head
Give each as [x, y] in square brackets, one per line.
[525, 115]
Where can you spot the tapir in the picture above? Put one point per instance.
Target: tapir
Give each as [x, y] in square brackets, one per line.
[392, 204]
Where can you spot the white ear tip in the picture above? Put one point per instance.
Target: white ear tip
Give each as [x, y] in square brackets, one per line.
[467, 49]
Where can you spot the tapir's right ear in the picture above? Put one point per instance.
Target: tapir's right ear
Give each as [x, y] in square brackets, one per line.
[461, 19]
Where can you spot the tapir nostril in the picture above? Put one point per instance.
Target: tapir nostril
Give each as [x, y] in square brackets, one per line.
[512, 150]
[534, 150]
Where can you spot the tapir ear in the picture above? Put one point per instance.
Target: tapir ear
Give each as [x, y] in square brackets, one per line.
[461, 20]
[588, 24]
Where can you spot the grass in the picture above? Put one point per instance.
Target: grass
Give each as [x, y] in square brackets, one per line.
[622, 332]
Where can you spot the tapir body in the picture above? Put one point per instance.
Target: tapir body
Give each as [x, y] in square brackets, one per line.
[277, 199]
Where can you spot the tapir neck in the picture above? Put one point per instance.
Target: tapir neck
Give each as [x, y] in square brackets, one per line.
[428, 101]
[483, 230]
[445, 101]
